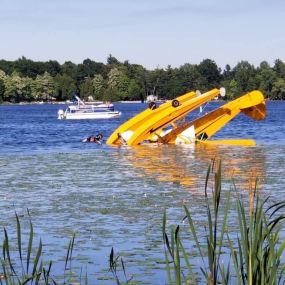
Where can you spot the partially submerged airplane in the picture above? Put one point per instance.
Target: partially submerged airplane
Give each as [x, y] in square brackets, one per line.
[167, 123]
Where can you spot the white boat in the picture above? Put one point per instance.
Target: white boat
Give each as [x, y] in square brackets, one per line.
[83, 111]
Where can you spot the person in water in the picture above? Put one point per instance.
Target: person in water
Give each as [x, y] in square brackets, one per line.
[96, 139]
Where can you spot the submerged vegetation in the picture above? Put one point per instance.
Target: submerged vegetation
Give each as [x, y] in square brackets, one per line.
[250, 252]
[27, 80]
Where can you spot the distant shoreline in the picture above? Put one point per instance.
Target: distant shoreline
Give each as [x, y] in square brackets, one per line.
[123, 102]
[61, 103]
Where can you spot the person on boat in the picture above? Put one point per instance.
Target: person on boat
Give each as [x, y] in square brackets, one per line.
[96, 139]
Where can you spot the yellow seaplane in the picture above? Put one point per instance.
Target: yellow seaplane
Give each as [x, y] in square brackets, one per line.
[167, 123]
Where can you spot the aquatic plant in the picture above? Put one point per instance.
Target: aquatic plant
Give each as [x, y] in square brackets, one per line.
[254, 258]
[27, 267]
[258, 257]
[113, 266]
[253, 252]
[30, 270]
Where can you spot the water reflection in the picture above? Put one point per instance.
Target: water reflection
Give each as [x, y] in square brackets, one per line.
[186, 164]
[115, 197]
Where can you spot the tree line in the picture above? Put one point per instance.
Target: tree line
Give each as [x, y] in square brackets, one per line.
[29, 81]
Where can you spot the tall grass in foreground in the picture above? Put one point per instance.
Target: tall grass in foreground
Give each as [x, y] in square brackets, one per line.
[254, 257]
[27, 266]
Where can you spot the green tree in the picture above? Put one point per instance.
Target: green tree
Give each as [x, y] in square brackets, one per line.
[123, 87]
[2, 85]
[171, 85]
[87, 89]
[65, 87]
[2, 74]
[69, 69]
[156, 80]
[140, 75]
[52, 67]
[111, 60]
[28, 68]
[210, 71]
[112, 85]
[233, 90]
[278, 89]
[98, 86]
[2, 90]
[17, 88]
[111, 94]
[134, 91]
[191, 79]
[7, 66]
[43, 87]
[265, 77]
[113, 78]
[10, 89]
[27, 89]
[279, 68]
[244, 75]
[227, 74]
[91, 67]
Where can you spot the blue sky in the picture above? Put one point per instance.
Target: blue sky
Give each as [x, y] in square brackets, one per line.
[153, 33]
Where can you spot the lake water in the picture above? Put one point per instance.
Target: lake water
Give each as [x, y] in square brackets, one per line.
[115, 197]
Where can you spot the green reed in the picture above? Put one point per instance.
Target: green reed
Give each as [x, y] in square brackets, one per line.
[114, 261]
[255, 257]
[31, 269]
[27, 267]
[11, 273]
[258, 257]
